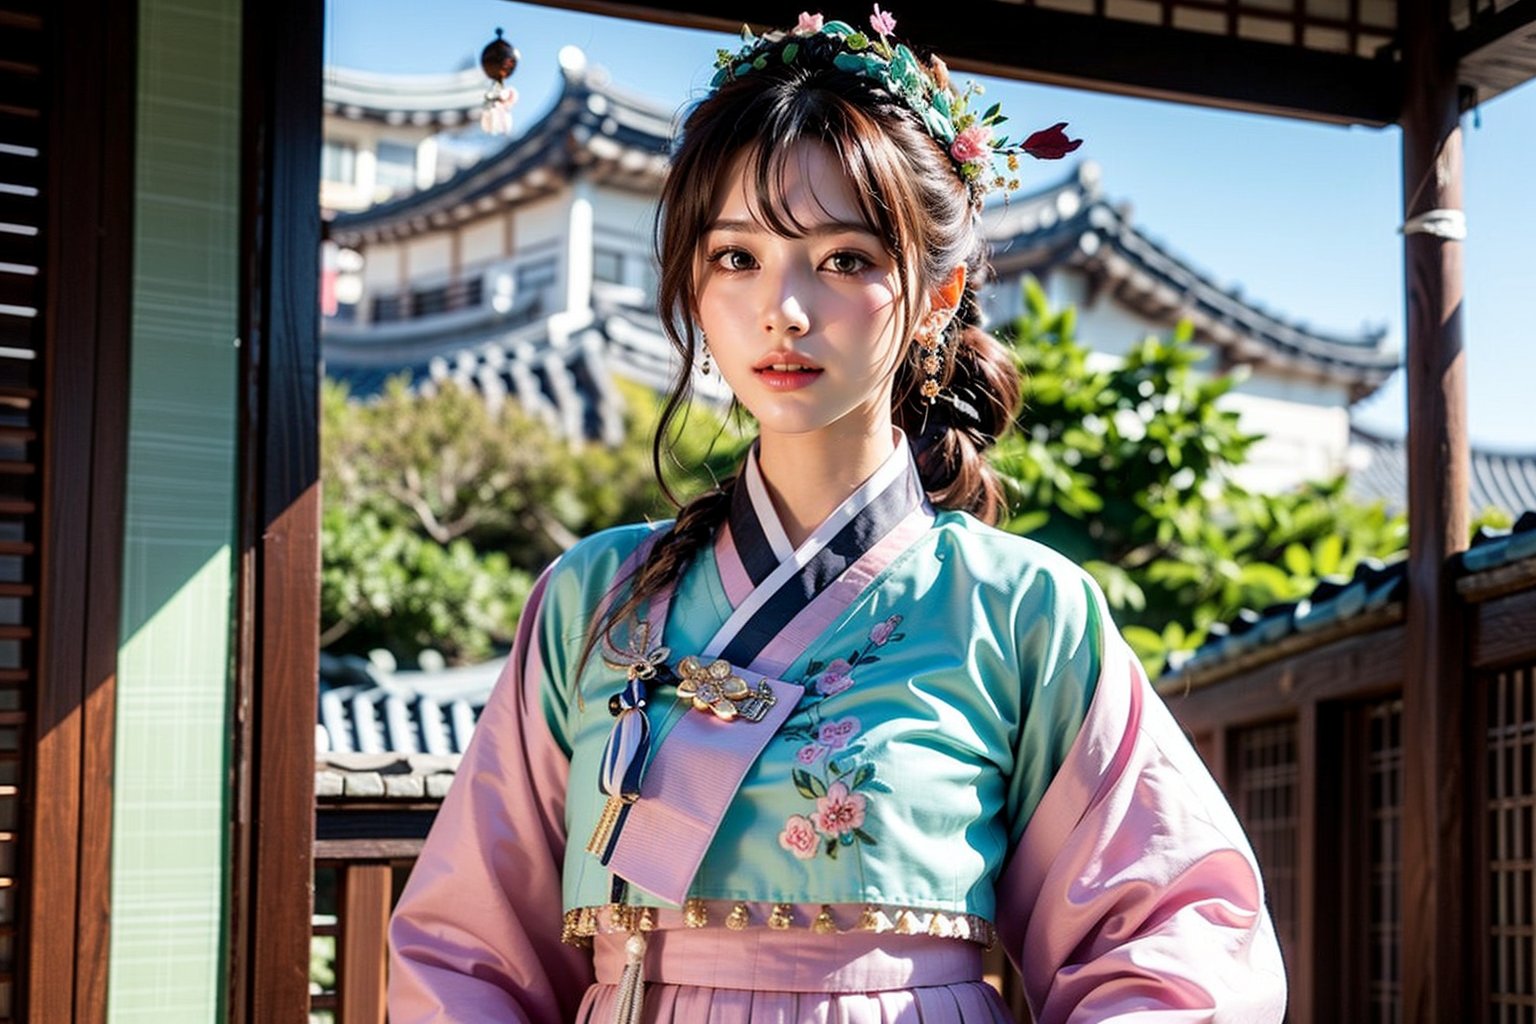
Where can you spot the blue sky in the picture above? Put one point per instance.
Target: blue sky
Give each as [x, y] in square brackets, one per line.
[1304, 216]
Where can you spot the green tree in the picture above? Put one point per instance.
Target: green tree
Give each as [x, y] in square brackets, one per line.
[438, 512]
[1130, 471]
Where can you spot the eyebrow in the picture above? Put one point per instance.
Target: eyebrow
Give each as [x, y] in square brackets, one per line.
[820, 228]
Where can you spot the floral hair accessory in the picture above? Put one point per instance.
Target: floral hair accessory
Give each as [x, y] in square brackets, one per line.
[969, 138]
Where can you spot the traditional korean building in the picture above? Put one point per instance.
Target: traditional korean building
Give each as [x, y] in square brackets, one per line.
[530, 274]
[159, 245]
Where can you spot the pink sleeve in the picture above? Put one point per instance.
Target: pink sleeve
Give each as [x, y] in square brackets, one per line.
[1133, 895]
[476, 934]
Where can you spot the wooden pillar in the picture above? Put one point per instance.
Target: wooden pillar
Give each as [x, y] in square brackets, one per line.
[1438, 942]
[366, 891]
[278, 588]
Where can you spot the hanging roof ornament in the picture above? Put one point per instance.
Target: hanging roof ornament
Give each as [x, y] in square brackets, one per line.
[499, 60]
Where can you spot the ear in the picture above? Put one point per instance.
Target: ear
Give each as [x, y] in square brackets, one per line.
[944, 297]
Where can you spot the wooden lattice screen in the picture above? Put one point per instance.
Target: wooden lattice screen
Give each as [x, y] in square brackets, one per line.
[1384, 795]
[1511, 861]
[22, 214]
[1265, 798]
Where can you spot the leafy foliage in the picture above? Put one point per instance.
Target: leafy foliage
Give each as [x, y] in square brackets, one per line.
[438, 513]
[1130, 470]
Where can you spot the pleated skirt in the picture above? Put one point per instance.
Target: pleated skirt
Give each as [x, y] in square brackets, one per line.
[762, 976]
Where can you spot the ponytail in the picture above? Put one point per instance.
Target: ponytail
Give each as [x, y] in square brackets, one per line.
[976, 404]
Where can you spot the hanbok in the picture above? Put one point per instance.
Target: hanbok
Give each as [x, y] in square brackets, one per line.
[953, 748]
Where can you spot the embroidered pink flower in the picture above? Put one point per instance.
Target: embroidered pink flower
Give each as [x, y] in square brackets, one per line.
[836, 735]
[838, 812]
[972, 145]
[810, 753]
[799, 835]
[881, 633]
[835, 678]
[1050, 143]
[882, 22]
[809, 24]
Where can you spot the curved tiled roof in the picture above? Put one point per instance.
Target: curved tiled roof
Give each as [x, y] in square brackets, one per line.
[1072, 224]
[1500, 479]
[559, 372]
[367, 710]
[446, 100]
[591, 124]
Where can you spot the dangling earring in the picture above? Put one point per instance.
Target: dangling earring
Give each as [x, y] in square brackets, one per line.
[704, 364]
[931, 341]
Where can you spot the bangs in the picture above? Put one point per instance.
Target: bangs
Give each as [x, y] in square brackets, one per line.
[770, 127]
[865, 155]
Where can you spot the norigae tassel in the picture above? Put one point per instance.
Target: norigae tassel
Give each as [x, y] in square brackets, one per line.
[631, 1004]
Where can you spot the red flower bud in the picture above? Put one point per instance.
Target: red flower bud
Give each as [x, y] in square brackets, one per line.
[1050, 143]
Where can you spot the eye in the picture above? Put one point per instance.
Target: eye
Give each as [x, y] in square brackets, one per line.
[732, 259]
[847, 262]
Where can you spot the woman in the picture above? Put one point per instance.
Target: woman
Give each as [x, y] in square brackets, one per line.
[803, 753]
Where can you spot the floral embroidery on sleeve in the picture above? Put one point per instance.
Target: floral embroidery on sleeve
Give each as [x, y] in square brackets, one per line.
[829, 768]
[838, 783]
[799, 837]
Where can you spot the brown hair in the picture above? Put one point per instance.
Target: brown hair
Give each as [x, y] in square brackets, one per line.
[911, 197]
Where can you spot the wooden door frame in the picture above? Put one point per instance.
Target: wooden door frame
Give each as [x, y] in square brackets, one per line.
[277, 618]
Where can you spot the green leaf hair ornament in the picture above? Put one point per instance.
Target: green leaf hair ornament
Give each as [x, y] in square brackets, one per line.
[923, 87]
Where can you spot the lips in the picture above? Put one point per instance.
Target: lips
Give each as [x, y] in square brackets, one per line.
[785, 362]
[785, 371]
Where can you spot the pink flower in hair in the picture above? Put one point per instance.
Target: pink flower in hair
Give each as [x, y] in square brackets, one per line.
[809, 24]
[972, 145]
[882, 22]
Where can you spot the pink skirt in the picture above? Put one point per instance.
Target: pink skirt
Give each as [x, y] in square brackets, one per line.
[764, 976]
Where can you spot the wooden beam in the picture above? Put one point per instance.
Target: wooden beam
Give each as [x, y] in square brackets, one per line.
[1497, 51]
[1501, 631]
[1437, 942]
[366, 896]
[1094, 52]
[278, 591]
[1353, 668]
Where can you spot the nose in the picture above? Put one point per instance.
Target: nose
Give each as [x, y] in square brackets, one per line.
[784, 313]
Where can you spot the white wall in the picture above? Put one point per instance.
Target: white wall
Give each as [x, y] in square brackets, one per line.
[621, 214]
[381, 272]
[1302, 443]
[428, 257]
[541, 222]
[483, 239]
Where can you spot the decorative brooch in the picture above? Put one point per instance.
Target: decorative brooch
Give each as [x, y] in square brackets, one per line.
[638, 661]
[716, 687]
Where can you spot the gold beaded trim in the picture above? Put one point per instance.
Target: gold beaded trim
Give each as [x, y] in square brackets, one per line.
[584, 922]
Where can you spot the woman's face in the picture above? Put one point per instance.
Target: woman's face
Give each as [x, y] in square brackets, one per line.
[804, 330]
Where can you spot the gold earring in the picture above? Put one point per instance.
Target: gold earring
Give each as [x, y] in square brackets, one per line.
[931, 341]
